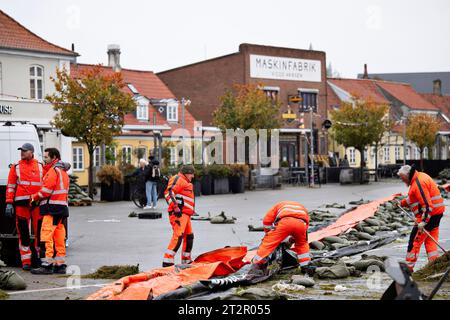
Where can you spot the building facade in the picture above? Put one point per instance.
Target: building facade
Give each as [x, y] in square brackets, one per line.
[27, 64]
[296, 78]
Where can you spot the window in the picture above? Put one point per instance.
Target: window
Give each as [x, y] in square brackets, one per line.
[172, 112]
[1, 91]
[408, 153]
[36, 82]
[309, 100]
[417, 153]
[132, 88]
[425, 153]
[272, 93]
[142, 112]
[397, 153]
[97, 157]
[352, 155]
[173, 155]
[78, 158]
[141, 153]
[372, 153]
[110, 155]
[387, 155]
[126, 154]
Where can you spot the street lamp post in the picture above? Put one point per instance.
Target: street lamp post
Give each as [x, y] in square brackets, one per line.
[312, 148]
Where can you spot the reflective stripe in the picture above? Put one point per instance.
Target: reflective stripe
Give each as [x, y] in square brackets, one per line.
[40, 171]
[304, 255]
[408, 201]
[24, 183]
[61, 202]
[25, 256]
[22, 248]
[59, 258]
[60, 192]
[187, 198]
[436, 198]
[189, 206]
[432, 254]
[21, 198]
[410, 255]
[186, 254]
[414, 204]
[168, 260]
[40, 195]
[304, 263]
[36, 183]
[291, 210]
[46, 190]
[186, 261]
[439, 205]
[10, 190]
[10, 185]
[170, 252]
[18, 172]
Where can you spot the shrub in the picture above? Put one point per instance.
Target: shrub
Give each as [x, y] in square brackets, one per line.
[238, 170]
[284, 164]
[109, 174]
[219, 171]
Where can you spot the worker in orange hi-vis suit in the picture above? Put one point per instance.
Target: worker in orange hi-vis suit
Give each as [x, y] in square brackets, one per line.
[181, 200]
[53, 200]
[285, 219]
[24, 179]
[425, 201]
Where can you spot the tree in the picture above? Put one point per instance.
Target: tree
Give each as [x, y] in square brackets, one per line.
[380, 128]
[247, 107]
[90, 108]
[422, 129]
[359, 123]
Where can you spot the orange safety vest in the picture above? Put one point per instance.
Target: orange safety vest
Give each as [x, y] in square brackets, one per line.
[424, 198]
[55, 189]
[284, 209]
[180, 190]
[24, 179]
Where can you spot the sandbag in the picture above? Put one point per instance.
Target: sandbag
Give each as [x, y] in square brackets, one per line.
[337, 271]
[317, 245]
[303, 281]
[10, 280]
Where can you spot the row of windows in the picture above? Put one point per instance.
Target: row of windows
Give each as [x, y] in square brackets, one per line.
[308, 99]
[387, 154]
[78, 156]
[172, 112]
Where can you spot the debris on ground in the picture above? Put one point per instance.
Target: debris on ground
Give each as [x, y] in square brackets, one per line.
[287, 287]
[197, 217]
[359, 202]
[222, 219]
[132, 215]
[303, 281]
[340, 288]
[113, 272]
[335, 205]
[251, 228]
[77, 197]
[3, 295]
[253, 293]
[438, 266]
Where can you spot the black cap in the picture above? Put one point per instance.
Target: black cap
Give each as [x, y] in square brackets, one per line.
[26, 147]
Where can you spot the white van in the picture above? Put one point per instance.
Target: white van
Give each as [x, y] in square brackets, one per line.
[12, 136]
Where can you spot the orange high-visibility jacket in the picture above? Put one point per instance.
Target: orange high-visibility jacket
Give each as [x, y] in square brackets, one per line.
[24, 179]
[54, 191]
[179, 188]
[284, 209]
[424, 198]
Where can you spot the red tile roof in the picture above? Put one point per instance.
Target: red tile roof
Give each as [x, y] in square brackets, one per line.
[364, 88]
[149, 85]
[15, 36]
[406, 94]
[440, 101]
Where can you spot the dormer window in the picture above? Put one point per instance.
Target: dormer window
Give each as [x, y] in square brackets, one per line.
[172, 112]
[142, 111]
[132, 88]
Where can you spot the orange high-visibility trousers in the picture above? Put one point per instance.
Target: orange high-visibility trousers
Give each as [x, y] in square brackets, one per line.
[288, 226]
[23, 216]
[415, 243]
[53, 233]
[182, 234]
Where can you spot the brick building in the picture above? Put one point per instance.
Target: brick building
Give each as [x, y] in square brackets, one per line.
[283, 73]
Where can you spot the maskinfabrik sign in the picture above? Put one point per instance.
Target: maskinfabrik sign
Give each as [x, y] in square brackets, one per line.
[267, 67]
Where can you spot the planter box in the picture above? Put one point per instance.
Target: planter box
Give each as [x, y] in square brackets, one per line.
[197, 188]
[206, 185]
[221, 186]
[113, 192]
[237, 184]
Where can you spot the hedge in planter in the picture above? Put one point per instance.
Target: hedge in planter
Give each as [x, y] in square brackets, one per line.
[220, 174]
[111, 179]
[237, 177]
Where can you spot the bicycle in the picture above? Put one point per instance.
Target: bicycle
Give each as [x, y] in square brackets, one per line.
[139, 197]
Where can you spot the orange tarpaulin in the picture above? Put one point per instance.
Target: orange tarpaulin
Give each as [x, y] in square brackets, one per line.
[220, 262]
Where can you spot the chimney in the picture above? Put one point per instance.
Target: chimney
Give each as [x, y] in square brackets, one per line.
[365, 75]
[73, 47]
[437, 89]
[114, 57]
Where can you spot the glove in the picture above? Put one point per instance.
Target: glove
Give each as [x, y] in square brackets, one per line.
[9, 210]
[421, 225]
[34, 202]
[177, 212]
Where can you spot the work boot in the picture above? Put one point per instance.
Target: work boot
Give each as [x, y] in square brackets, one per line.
[43, 270]
[26, 267]
[308, 269]
[60, 269]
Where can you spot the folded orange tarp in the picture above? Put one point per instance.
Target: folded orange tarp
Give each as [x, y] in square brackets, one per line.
[220, 262]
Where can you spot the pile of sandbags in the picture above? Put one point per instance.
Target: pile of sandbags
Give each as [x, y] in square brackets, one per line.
[77, 197]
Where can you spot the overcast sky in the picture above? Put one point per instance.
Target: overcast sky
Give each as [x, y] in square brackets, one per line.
[390, 36]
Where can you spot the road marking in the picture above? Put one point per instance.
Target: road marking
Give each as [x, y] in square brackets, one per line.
[55, 289]
[110, 220]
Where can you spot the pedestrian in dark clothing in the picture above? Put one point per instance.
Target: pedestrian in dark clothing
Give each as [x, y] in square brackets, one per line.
[153, 175]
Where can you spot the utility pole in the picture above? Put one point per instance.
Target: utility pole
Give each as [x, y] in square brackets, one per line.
[312, 148]
[404, 140]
